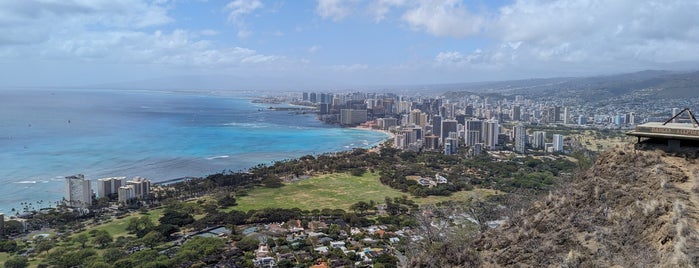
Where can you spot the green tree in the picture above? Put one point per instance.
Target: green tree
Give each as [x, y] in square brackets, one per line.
[152, 239]
[176, 218]
[81, 239]
[8, 245]
[44, 245]
[17, 262]
[13, 227]
[140, 226]
[111, 255]
[248, 243]
[102, 238]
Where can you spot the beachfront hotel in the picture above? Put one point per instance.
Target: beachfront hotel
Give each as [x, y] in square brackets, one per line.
[137, 188]
[109, 186]
[78, 191]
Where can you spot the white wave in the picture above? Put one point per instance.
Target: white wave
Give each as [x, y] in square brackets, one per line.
[218, 157]
[24, 182]
[246, 125]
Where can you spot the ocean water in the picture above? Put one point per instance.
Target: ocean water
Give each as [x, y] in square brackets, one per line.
[46, 135]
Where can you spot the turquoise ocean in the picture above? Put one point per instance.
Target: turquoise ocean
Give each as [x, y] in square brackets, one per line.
[48, 134]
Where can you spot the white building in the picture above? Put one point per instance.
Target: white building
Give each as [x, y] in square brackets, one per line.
[126, 193]
[520, 135]
[141, 187]
[491, 132]
[109, 186]
[78, 191]
[557, 143]
[539, 139]
[350, 117]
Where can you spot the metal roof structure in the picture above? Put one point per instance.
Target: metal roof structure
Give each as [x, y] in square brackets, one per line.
[668, 130]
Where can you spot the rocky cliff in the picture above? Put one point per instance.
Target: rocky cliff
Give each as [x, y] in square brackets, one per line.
[633, 208]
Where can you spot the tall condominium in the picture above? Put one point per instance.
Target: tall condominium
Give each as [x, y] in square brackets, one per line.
[539, 139]
[78, 191]
[141, 187]
[437, 126]
[557, 143]
[109, 186]
[491, 132]
[520, 133]
[448, 125]
[349, 117]
[473, 132]
[126, 193]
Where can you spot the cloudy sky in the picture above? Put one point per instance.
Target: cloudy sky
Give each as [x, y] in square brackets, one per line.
[339, 43]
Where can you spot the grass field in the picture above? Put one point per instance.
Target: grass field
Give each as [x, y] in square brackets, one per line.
[117, 227]
[333, 191]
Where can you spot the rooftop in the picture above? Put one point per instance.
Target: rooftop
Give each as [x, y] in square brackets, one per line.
[679, 131]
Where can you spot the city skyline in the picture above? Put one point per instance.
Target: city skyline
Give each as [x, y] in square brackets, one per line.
[277, 44]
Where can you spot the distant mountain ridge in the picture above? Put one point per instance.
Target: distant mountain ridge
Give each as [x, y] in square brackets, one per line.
[652, 83]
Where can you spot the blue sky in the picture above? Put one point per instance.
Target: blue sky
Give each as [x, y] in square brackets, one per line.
[243, 44]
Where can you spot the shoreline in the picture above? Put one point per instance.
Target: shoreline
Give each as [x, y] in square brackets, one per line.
[390, 135]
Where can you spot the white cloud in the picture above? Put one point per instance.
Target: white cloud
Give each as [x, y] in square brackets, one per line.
[113, 32]
[333, 9]
[209, 32]
[379, 8]
[349, 68]
[313, 49]
[31, 22]
[444, 18]
[239, 8]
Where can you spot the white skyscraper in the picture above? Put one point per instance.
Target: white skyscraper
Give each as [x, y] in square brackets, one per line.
[491, 132]
[565, 115]
[557, 143]
[78, 191]
[520, 134]
[141, 187]
[109, 186]
[539, 139]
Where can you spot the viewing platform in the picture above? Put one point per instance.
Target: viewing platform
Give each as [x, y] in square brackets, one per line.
[671, 132]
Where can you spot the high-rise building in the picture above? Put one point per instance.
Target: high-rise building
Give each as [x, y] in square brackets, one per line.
[127, 193]
[305, 96]
[386, 123]
[565, 115]
[557, 143]
[517, 113]
[431, 142]
[539, 139]
[78, 191]
[349, 117]
[141, 187]
[447, 148]
[437, 126]
[109, 186]
[631, 118]
[448, 126]
[675, 111]
[473, 132]
[557, 114]
[313, 97]
[582, 120]
[491, 132]
[520, 133]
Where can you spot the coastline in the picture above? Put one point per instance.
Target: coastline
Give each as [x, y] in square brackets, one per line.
[390, 135]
